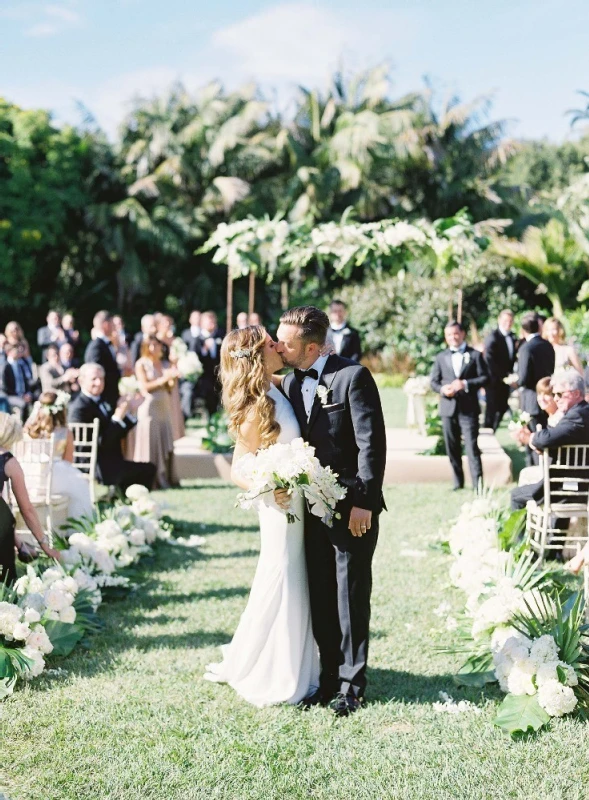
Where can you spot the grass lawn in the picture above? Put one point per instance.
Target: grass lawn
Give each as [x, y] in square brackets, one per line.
[132, 719]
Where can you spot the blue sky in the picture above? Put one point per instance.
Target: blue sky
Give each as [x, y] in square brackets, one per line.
[533, 56]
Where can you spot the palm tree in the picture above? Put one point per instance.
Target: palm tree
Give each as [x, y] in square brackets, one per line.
[549, 257]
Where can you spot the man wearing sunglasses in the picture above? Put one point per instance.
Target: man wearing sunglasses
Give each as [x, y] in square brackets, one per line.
[568, 388]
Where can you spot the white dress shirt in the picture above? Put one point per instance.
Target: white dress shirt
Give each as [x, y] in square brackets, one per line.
[337, 337]
[309, 387]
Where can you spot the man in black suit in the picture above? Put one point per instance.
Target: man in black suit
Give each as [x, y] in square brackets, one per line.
[209, 352]
[536, 361]
[345, 425]
[16, 382]
[115, 424]
[191, 338]
[101, 351]
[500, 351]
[344, 338]
[457, 375]
[569, 392]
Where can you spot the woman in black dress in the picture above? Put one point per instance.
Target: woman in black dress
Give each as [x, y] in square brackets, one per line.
[10, 470]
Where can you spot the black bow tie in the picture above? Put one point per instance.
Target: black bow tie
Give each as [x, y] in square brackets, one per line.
[301, 374]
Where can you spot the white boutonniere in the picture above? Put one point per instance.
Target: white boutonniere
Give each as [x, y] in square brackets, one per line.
[323, 394]
[466, 358]
[345, 331]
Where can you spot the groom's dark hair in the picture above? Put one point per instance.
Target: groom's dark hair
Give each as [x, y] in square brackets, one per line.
[313, 323]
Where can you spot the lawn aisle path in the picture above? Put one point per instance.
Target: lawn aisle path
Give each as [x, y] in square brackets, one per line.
[132, 718]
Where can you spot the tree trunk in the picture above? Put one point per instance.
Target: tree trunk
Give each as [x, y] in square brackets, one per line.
[229, 301]
[459, 309]
[557, 309]
[252, 293]
[284, 295]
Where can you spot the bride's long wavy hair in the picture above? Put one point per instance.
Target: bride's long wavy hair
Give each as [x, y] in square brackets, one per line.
[245, 383]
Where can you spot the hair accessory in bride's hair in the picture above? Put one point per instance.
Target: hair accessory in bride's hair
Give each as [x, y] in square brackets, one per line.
[241, 353]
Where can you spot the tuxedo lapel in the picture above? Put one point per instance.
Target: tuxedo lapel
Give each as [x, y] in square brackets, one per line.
[466, 362]
[327, 378]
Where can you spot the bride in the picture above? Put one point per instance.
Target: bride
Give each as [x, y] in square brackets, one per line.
[272, 657]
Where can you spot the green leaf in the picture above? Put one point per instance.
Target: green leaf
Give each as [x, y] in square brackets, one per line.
[6, 666]
[476, 679]
[7, 687]
[513, 526]
[64, 636]
[519, 714]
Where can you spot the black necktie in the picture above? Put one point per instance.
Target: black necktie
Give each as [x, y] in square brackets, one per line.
[301, 374]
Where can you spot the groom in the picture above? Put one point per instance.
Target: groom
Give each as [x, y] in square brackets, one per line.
[339, 412]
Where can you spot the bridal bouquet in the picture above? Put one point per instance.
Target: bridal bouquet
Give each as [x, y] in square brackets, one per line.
[293, 467]
[520, 420]
[129, 385]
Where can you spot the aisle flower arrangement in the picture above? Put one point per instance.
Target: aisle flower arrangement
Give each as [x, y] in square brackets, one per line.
[52, 606]
[523, 623]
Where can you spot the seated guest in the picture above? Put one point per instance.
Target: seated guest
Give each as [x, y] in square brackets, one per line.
[15, 380]
[67, 357]
[101, 351]
[49, 418]
[10, 470]
[115, 424]
[547, 403]
[52, 333]
[569, 393]
[54, 376]
[344, 338]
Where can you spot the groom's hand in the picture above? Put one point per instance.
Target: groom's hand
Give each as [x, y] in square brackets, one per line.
[360, 521]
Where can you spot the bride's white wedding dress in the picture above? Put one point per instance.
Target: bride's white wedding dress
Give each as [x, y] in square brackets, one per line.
[273, 657]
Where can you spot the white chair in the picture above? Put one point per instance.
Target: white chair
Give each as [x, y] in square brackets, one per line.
[35, 456]
[86, 451]
[566, 495]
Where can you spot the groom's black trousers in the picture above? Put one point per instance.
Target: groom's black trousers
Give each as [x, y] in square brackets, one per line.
[340, 584]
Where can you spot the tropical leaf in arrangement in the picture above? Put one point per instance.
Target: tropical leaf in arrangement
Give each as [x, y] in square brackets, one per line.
[521, 714]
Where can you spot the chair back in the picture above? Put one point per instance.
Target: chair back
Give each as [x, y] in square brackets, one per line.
[86, 449]
[566, 476]
[35, 456]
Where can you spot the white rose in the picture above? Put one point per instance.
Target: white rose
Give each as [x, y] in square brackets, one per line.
[556, 699]
[32, 615]
[38, 665]
[20, 631]
[68, 614]
[108, 529]
[57, 600]
[137, 537]
[136, 491]
[38, 640]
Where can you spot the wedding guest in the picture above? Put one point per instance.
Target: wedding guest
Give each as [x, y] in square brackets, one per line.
[14, 333]
[165, 333]
[154, 439]
[190, 335]
[101, 351]
[499, 353]
[254, 319]
[191, 338]
[67, 357]
[121, 342]
[10, 470]
[564, 354]
[241, 320]
[15, 380]
[115, 424]
[569, 393]
[344, 338]
[457, 375]
[536, 360]
[54, 376]
[49, 418]
[547, 403]
[69, 328]
[211, 338]
[147, 329]
[52, 333]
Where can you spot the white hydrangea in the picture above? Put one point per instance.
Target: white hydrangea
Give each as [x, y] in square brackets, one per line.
[10, 616]
[38, 664]
[107, 529]
[544, 649]
[38, 640]
[56, 599]
[68, 614]
[547, 671]
[31, 616]
[520, 680]
[556, 699]
[21, 631]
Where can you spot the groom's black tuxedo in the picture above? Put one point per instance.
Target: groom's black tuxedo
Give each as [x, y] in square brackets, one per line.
[348, 435]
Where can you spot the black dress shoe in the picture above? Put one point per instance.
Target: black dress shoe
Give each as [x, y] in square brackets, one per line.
[457, 488]
[317, 698]
[343, 705]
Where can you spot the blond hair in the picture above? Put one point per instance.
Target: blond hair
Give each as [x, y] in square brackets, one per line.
[45, 419]
[561, 335]
[245, 383]
[10, 429]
